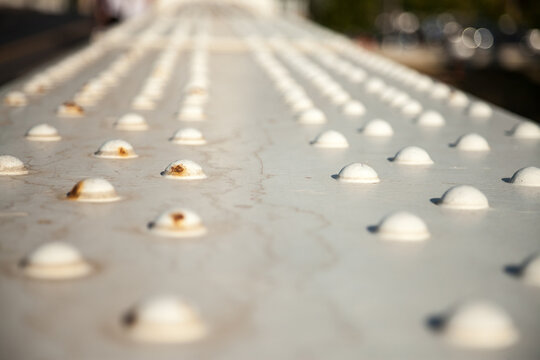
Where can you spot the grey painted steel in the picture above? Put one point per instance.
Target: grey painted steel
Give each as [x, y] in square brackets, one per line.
[288, 269]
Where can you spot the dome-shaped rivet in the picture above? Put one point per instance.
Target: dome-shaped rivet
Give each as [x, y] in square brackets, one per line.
[10, 165]
[312, 116]
[478, 324]
[358, 173]
[116, 149]
[412, 155]
[480, 109]
[42, 132]
[440, 91]
[464, 197]
[471, 142]
[164, 319]
[70, 109]
[301, 104]
[93, 190]
[15, 99]
[411, 108]
[527, 176]
[191, 113]
[55, 261]
[430, 119]
[184, 170]
[131, 122]
[458, 99]
[330, 139]
[526, 130]
[374, 86]
[377, 127]
[354, 108]
[143, 102]
[188, 136]
[178, 223]
[530, 271]
[402, 226]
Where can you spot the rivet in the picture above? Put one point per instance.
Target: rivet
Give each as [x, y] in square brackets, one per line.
[458, 99]
[339, 97]
[464, 197]
[10, 165]
[478, 324]
[527, 176]
[188, 136]
[377, 127]
[330, 139]
[530, 271]
[480, 109]
[471, 142]
[131, 122]
[375, 86]
[440, 91]
[42, 132]
[164, 319]
[143, 102]
[15, 99]
[402, 226]
[116, 149]
[412, 155]
[196, 99]
[184, 170]
[354, 108]
[302, 104]
[358, 173]
[93, 190]
[312, 116]
[178, 223]
[70, 109]
[526, 130]
[430, 118]
[191, 113]
[55, 261]
[411, 108]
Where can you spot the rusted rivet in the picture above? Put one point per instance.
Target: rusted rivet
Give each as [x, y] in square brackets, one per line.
[15, 99]
[526, 130]
[70, 109]
[354, 108]
[10, 165]
[377, 127]
[412, 155]
[402, 226]
[358, 173]
[464, 197]
[188, 136]
[184, 170]
[312, 116]
[430, 118]
[527, 176]
[480, 109]
[131, 122]
[55, 261]
[116, 149]
[330, 139]
[93, 190]
[42, 132]
[164, 319]
[178, 223]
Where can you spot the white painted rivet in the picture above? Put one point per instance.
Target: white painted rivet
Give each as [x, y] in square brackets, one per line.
[184, 170]
[402, 226]
[164, 319]
[142, 102]
[131, 122]
[530, 271]
[464, 197]
[330, 139]
[458, 99]
[472, 142]
[411, 108]
[480, 109]
[526, 130]
[93, 190]
[377, 127]
[191, 113]
[188, 136]
[42, 132]
[358, 173]
[375, 86]
[301, 104]
[70, 109]
[354, 108]
[10, 165]
[116, 149]
[527, 176]
[479, 324]
[431, 119]
[412, 155]
[440, 91]
[312, 116]
[16, 99]
[178, 223]
[55, 261]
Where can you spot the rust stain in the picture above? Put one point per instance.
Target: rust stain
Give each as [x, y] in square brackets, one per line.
[122, 151]
[75, 192]
[177, 170]
[178, 218]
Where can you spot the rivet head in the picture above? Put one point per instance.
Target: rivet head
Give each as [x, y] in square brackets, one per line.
[188, 136]
[354, 108]
[530, 271]
[184, 170]
[330, 139]
[42, 132]
[70, 109]
[312, 116]
[131, 122]
[197, 99]
[116, 149]
[178, 223]
[480, 109]
[479, 324]
[191, 113]
[15, 99]
[143, 102]
[358, 173]
[458, 99]
[93, 190]
[472, 142]
[411, 108]
[375, 86]
[464, 197]
[377, 127]
[440, 91]
[55, 261]
[164, 319]
[10, 165]
[301, 104]
[412, 155]
[526, 130]
[527, 176]
[402, 226]
[430, 119]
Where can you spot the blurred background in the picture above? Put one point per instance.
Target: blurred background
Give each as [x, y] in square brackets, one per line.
[490, 48]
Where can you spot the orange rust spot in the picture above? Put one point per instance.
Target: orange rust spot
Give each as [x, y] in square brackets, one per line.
[76, 191]
[177, 169]
[198, 91]
[122, 151]
[73, 107]
[177, 218]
